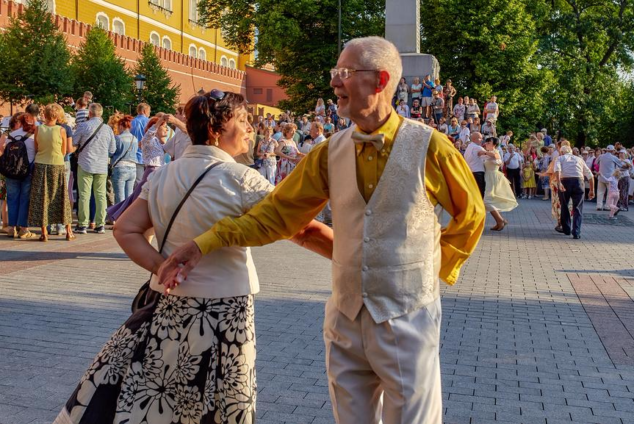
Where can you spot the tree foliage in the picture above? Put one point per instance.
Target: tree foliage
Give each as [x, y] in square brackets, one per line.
[98, 69]
[298, 37]
[34, 58]
[159, 91]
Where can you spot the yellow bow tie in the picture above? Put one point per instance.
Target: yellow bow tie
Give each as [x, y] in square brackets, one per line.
[377, 140]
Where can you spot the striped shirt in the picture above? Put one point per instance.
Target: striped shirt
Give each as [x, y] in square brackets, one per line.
[81, 115]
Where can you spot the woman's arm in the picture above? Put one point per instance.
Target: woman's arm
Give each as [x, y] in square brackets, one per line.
[129, 230]
[62, 132]
[317, 238]
[35, 139]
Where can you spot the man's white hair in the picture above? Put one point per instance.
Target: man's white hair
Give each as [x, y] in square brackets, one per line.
[95, 110]
[565, 150]
[380, 54]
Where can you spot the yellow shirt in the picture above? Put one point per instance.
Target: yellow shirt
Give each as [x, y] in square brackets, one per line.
[304, 193]
[49, 145]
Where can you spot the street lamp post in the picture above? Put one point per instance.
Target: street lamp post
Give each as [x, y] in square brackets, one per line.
[139, 80]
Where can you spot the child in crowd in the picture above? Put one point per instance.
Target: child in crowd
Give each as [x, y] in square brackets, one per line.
[613, 193]
[528, 179]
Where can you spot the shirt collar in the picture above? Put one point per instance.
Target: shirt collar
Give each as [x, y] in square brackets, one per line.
[389, 129]
[199, 151]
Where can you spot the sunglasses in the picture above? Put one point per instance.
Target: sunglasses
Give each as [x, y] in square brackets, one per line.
[216, 94]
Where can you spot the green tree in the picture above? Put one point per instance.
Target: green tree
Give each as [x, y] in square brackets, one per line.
[34, 58]
[488, 47]
[98, 69]
[585, 43]
[298, 37]
[159, 91]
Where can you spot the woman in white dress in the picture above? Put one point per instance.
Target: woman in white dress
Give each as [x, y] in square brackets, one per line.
[498, 195]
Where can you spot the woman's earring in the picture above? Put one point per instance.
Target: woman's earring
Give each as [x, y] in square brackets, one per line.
[216, 142]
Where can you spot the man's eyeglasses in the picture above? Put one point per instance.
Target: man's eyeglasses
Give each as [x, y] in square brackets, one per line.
[345, 73]
[216, 94]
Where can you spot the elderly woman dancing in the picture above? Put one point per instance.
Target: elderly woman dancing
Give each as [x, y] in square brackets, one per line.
[188, 355]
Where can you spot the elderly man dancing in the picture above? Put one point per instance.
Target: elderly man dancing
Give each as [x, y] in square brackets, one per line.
[386, 178]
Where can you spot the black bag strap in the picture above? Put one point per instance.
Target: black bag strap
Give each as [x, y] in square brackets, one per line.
[180, 205]
[83, 146]
[124, 155]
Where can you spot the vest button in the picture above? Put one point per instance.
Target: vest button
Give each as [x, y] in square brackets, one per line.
[368, 212]
[365, 268]
[364, 295]
[367, 239]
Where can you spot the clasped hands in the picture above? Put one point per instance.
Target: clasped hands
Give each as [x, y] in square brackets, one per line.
[175, 269]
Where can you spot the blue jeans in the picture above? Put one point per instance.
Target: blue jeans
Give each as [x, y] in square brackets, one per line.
[123, 178]
[18, 197]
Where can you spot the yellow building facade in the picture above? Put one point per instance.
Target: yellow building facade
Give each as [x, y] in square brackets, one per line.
[171, 24]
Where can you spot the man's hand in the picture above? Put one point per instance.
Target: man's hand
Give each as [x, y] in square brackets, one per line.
[176, 268]
[591, 195]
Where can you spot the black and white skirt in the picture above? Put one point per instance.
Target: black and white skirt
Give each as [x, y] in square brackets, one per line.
[178, 360]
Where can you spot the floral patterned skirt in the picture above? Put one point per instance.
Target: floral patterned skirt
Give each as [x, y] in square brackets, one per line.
[178, 360]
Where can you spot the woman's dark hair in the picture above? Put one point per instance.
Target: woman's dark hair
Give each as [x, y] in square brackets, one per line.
[206, 116]
[15, 120]
[492, 140]
[27, 126]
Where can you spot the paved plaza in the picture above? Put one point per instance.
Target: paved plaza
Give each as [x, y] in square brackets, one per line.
[539, 329]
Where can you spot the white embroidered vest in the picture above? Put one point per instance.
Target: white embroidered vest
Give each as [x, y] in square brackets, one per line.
[386, 252]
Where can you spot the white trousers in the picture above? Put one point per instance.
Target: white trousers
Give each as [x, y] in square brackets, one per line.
[384, 373]
[601, 190]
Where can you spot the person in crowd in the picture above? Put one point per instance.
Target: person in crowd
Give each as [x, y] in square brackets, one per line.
[428, 88]
[575, 152]
[459, 110]
[608, 162]
[33, 110]
[473, 156]
[448, 94]
[266, 152]
[473, 110]
[514, 161]
[248, 158]
[97, 144]
[547, 139]
[438, 106]
[4, 210]
[614, 193]
[87, 97]
[488, 129]
[543, 164]
[453, 130]
[305, 125]
[59, 228]
[329, 127]
[624, 181]
[442, 126]
[417, 110]
[81, 111]
[417, 91]
[475, 125]
[570, 172]
[320, 110]
[465, 133]
[139, 123]
[49, 202]
[402, 109]
[498, 196]
[288, 152]
[492, 110]
[368, 373]
[123, 162]
[528, 178]
[21, 127]
[402, 92]
[153, 157]
[202, 333]
[176, 145]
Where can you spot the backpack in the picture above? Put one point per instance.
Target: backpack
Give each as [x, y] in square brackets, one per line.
[14, 163]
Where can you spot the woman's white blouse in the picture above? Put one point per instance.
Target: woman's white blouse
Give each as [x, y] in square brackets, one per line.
[230, 189]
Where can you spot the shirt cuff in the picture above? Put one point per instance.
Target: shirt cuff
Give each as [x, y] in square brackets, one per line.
[208, 242]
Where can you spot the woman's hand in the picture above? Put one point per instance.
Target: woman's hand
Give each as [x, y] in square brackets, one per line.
[175, 269]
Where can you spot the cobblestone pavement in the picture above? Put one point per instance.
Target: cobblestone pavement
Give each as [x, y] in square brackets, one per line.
[538, 330]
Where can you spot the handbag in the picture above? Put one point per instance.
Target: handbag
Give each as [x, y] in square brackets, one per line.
[143, 297]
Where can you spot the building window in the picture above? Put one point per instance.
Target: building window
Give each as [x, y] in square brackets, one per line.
[102, 21]
[167, 4]
[167, 43]
[193, 50]
[269, 95]
[257, 91]
[224, 61]
[193, 10]
[232, 64]
[202, 54]
[155, 40]
[118, 26]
